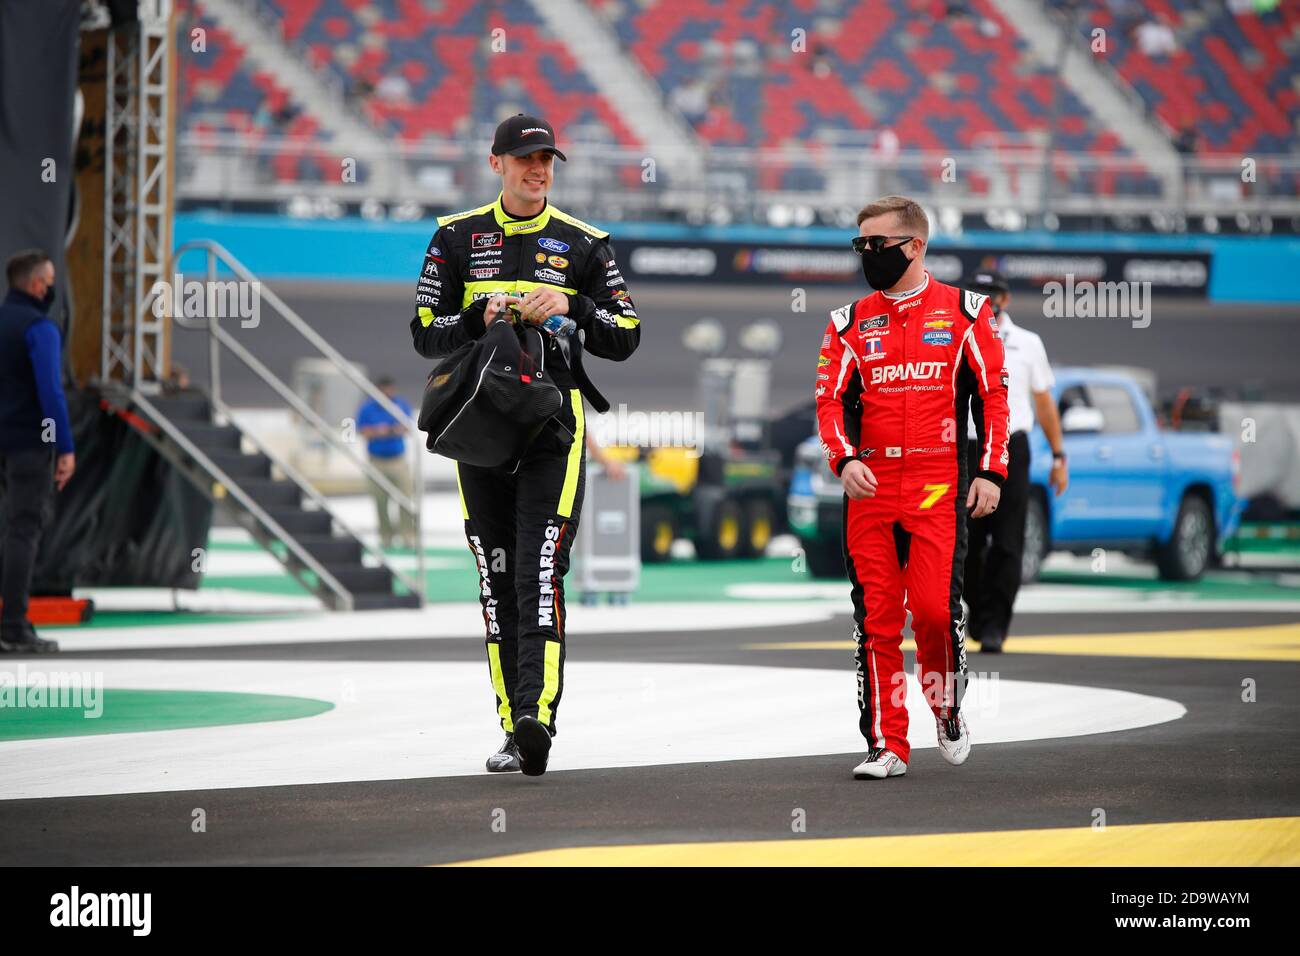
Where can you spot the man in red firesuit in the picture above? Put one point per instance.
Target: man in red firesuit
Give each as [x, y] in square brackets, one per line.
[898, 371]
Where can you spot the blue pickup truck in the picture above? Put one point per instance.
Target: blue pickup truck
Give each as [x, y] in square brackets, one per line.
[1167, 496]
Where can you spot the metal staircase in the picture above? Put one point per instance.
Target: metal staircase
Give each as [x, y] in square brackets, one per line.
[197, 433]
[259, 489]
[266, 497]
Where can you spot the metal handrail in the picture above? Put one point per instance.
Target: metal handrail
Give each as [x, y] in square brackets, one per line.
[413, 505]
[245, 499]
[306, 411]
[298, 479]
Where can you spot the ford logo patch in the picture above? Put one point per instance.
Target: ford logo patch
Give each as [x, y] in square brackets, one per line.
[553, 245]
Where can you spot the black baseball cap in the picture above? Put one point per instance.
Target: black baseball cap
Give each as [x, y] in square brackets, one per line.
[520, 135]
[989, 280]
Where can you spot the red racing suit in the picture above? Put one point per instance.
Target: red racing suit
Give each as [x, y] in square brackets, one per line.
[894, 382]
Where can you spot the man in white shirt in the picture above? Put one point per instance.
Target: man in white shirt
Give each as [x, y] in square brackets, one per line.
[997, 541]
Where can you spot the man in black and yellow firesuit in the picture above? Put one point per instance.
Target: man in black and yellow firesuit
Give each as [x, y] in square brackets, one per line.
[521, 259]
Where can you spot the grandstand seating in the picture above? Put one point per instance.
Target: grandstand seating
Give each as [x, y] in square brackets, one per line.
[940, 82]
[453, 79]
[422, 70]
[221, 93]
[1234, 78]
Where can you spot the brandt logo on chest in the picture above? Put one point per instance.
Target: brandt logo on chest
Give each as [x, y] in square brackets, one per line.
[907, 371]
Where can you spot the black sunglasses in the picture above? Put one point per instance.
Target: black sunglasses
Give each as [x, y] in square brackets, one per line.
[875, 243]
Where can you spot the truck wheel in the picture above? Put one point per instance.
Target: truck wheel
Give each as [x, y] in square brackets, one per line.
[760, 519]
[658, 531]
[825, 559]
[721, 539]
[1186, 555]
[1035, 550]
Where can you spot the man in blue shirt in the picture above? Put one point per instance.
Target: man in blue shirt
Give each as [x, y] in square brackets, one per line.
[386, 443]
[36, 453]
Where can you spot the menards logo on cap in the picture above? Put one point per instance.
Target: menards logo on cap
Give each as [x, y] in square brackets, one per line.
[532, 129]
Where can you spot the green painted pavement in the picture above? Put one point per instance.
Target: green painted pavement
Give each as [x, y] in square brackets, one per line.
[672, 581]
[682, 580]
[688, 580]
[1215, 586]
[110, 619]
[130, 711]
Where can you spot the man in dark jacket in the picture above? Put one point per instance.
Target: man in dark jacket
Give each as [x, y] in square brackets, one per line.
[36, 452]
[521, 259]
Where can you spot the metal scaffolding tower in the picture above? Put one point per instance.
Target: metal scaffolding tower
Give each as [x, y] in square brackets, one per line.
[136, 211]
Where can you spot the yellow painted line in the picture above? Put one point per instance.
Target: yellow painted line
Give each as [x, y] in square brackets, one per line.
[1277, 642]
[1266, 842]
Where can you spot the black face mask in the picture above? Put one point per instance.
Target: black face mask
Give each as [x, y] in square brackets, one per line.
[48, 299]
[883, 269]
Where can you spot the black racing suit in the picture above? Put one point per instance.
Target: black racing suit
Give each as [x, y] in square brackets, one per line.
[520, 518]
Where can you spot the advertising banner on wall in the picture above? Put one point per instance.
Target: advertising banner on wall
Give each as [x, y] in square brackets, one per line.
[1168, 273]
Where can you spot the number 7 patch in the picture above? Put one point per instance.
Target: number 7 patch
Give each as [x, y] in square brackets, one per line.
[936, 492]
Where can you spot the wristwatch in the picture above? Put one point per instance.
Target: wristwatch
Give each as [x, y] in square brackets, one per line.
[1058, 456]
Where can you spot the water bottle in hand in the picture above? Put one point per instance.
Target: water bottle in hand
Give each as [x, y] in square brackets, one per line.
[560, 325]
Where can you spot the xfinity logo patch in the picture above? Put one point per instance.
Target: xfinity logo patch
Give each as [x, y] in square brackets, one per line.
[485, 240]
[875, 322]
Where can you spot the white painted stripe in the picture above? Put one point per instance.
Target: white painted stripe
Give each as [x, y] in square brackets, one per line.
[402, 720]
[205, 600]
[1033, 598]
[438, 622]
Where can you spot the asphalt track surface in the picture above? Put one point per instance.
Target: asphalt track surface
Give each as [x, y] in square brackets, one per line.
[1223, 760]
[1188, 342]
